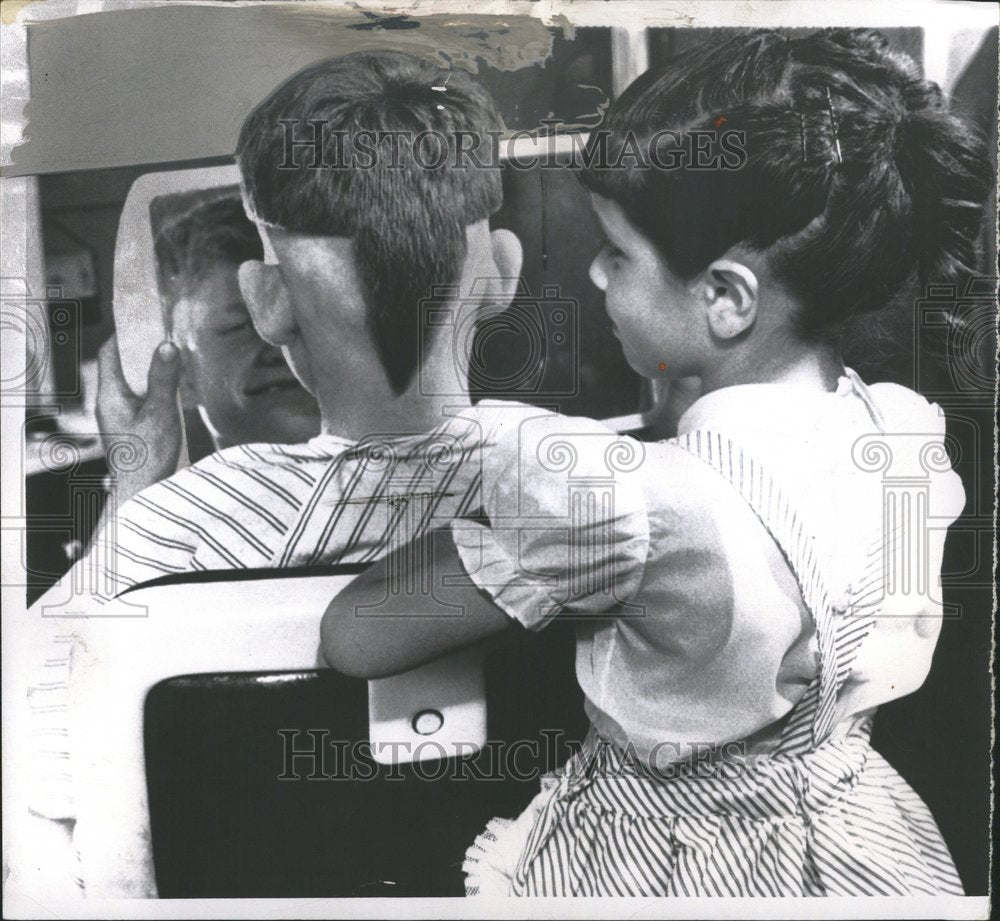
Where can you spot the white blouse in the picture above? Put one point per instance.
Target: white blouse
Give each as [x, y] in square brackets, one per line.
[691, 628]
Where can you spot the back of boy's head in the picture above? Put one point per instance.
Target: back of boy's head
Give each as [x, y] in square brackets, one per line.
[406, 208]
[212, 232]
[844, 227]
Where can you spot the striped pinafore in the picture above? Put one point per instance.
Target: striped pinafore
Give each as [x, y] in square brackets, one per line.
[822, 814]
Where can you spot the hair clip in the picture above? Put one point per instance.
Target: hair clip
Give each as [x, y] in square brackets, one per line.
[443, 87]
[833, 126]
[802, 135]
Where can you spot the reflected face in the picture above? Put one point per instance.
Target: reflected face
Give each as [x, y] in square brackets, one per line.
[653, 312]
[242, 384]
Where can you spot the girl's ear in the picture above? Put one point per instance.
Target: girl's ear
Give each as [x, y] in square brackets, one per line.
[731, 294]
[268, 302]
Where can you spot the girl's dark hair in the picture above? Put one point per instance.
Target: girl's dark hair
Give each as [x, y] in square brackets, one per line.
[844, 229]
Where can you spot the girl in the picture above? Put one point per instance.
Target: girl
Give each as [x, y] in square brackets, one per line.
[772, 595]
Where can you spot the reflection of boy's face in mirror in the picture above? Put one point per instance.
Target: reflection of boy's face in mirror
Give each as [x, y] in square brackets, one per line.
[242, 385]
[243, 388]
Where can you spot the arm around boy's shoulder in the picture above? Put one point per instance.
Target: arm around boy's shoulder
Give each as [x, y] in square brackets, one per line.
[568, 527]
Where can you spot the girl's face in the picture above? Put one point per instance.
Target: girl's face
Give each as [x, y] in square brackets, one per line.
[654, 314]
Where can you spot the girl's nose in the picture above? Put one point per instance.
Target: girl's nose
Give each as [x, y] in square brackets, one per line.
[597, 273]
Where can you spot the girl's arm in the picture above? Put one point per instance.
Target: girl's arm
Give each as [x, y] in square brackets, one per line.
[370, 632]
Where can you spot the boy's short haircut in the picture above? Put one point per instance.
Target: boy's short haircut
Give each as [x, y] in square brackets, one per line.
[404, 198]
[212, 231]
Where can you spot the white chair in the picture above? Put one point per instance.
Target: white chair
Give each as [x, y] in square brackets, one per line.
[158, 631]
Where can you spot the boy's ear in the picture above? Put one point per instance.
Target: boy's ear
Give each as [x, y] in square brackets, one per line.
[731, 296]
[508, 257]
[268, 302]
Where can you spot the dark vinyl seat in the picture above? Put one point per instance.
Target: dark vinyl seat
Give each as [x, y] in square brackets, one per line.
[236, 814]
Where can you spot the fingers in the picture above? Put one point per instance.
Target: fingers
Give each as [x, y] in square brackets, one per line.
[110, 378]
[164, 373]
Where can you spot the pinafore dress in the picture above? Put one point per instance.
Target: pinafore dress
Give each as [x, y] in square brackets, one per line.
[822, 814]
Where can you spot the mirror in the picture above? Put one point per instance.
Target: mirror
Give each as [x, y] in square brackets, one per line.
[235, 387]
[181, 239]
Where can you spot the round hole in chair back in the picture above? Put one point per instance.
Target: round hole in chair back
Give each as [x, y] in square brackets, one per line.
[427, 722]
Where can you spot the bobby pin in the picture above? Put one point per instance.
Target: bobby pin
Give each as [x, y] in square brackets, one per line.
[833, 125]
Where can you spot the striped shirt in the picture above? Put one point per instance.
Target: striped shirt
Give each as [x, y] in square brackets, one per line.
[328, 501]
[250, 506]
[261, 506]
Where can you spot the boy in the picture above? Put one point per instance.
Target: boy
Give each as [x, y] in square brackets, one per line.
[355, 250]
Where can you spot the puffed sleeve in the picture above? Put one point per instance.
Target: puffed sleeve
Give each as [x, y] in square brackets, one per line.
[568, 528]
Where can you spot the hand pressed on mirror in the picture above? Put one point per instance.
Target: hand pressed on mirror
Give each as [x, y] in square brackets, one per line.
[154, 419]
